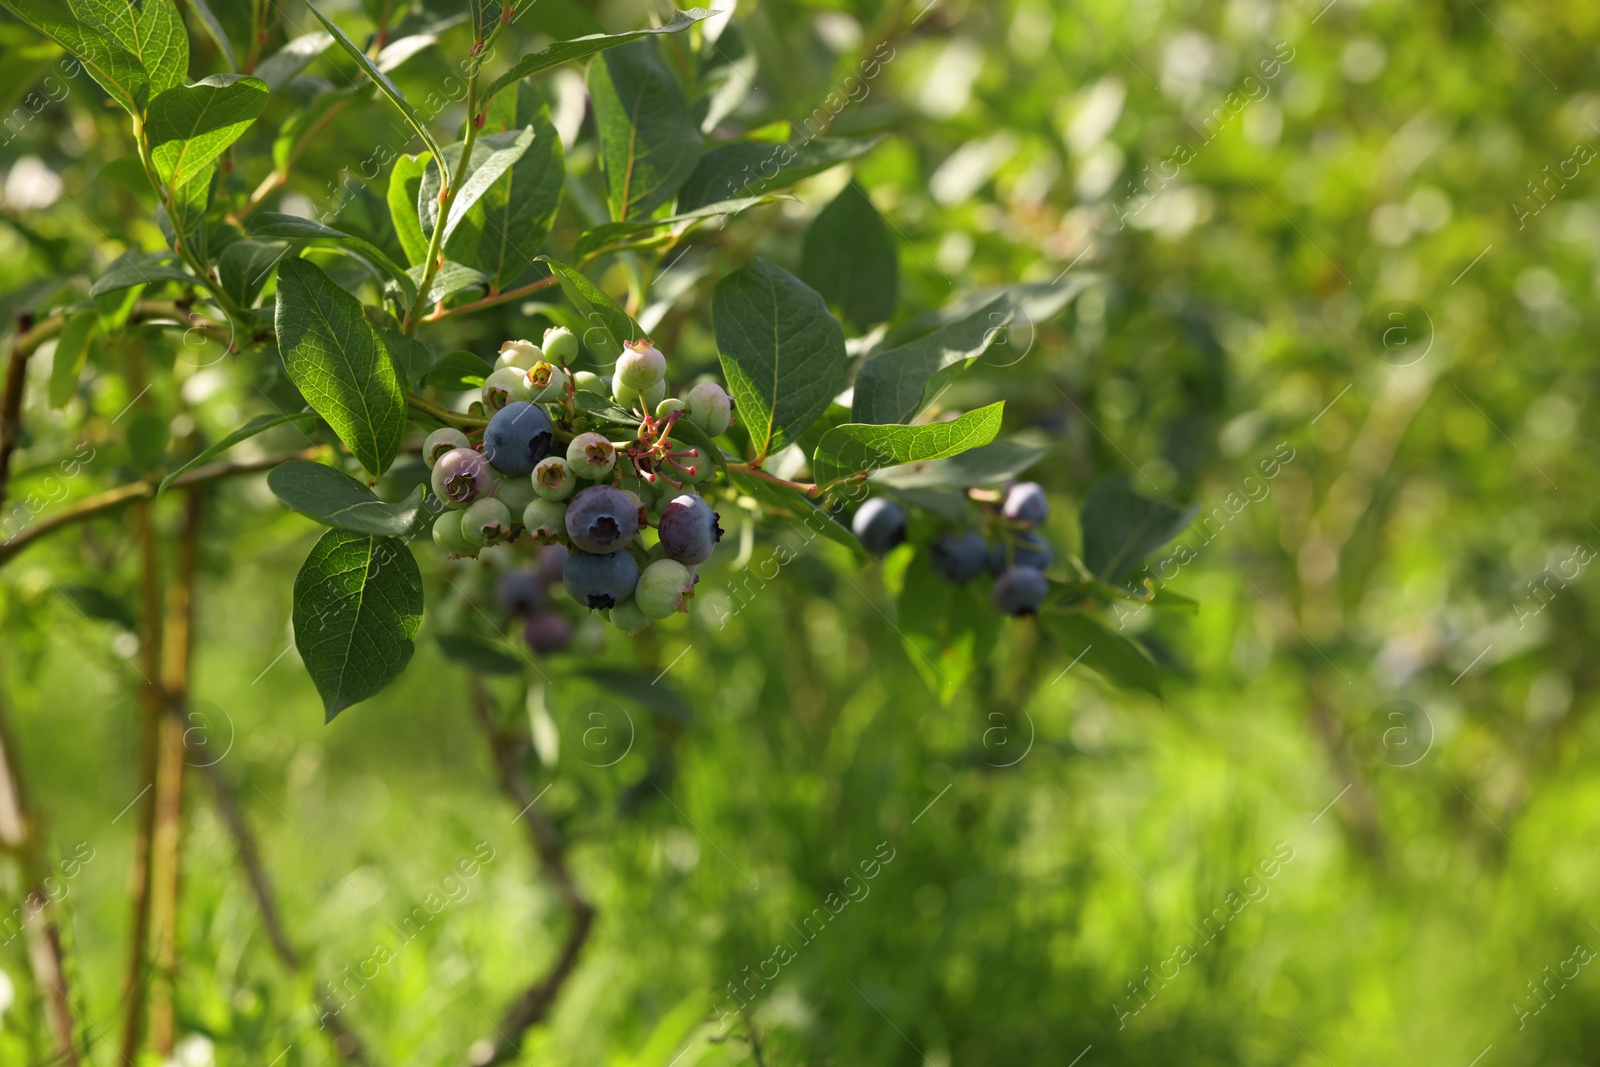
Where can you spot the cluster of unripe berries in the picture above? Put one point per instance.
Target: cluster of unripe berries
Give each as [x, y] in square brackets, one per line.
[1017, 557]
[593, 494]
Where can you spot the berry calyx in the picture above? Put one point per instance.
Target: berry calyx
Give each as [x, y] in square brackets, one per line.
[486, 522]
[591, 456]
[508, 385]
[547, 382]
[545, 520]
[441, 441]
[603, 519]
[553, 479]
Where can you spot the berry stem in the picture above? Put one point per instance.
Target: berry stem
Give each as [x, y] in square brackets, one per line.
[754, 471]
[459, 420]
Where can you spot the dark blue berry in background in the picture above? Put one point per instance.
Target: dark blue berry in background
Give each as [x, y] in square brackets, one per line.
[547, 632]
[958, 557]
[1028, 549]
[1026, 502]
[518, 436]
[600, 581]
[1020, 591]
[879, 525]
[603, 518]
[518, 592]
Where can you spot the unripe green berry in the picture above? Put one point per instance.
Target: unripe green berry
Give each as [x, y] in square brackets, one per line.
[441, 441]
[560, 346]
[447, 533]
[588, 381]
[553, 479]
[640, 365]
[546, 520]
[668, 406]
[519, 354]
[486, 522]
[591, 456]
[547, 382]
[632, 399]
[504, 386]
[710, 408]
[515, 493]
[627, 616]
[662, 588]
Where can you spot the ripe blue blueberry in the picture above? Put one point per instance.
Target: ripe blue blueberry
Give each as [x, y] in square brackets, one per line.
[1020, 591]
[662, 588]
[461, 476]
[553, 479]
[486, 522]
[441, 441]
[600, 581]
[1028, 549]
[603, 518]
[710, 407]
[518, 437]
[689, 530]
[627, 616]
[545, 520]
[505, 386]
[880, 525]
[559, 345]
[591, 456]
[519, 354]
[546, 632]
[518, 592]
[958, 557]
[640, 365]
[1026, 502]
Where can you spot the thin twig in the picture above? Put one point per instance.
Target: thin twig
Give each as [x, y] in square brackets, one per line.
[493, 299]
[535, 1002]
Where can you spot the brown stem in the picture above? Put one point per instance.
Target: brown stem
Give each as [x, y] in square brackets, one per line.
[535, 1002]
[492, 300]
[22, 349]
[111, 499]
[756, 472]
[166, 840]
[345, 1040]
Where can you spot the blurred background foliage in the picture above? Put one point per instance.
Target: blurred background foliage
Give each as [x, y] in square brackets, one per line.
[1239, 307]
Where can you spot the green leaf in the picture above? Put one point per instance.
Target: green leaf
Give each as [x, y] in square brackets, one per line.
[1120, 660]
[608, 325]
[333, 358]
[141, 272]
[256, 425]
[357, 608]
[214, 29]
[849, 257]
[894, 386]
[727, 75]
[649, 140]
[295, 228]
[465, 650]
[601, 237]
[117, 70]
[782, 354]
[412, 358]
[855, 447]
[281, 66]
[458, 371]
[380, 79]
[641, 688]
[947, 629]
[492, 156]
[244, 266]
[334, 498]
[405, 179]
[148, 436]
[751, 168]
[183, 222]
[72, 348]
[1121, 528]
[161, 42]
[997, 461]
[485, 14]
[519, 209]
[447, 281]
[606, 410]
[566, 51]
[189, 126]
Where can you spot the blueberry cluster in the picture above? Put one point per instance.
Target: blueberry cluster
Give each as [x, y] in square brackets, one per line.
[1015, 553]
[526, 595]
[534, 469]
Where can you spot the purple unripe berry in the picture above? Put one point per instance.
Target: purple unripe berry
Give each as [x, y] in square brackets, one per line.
[591, 456]
[553, 479]
[689, 530]
[958, 557]
[662, 588]
[441, 441]
[518, 592]
[1028, 549]
[600, 581]
[1026, 502]
[603, 518]
[461, 476]
[880, 525]
[547, 632]
[518, 437]
[640, 365]
[1020, 591]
